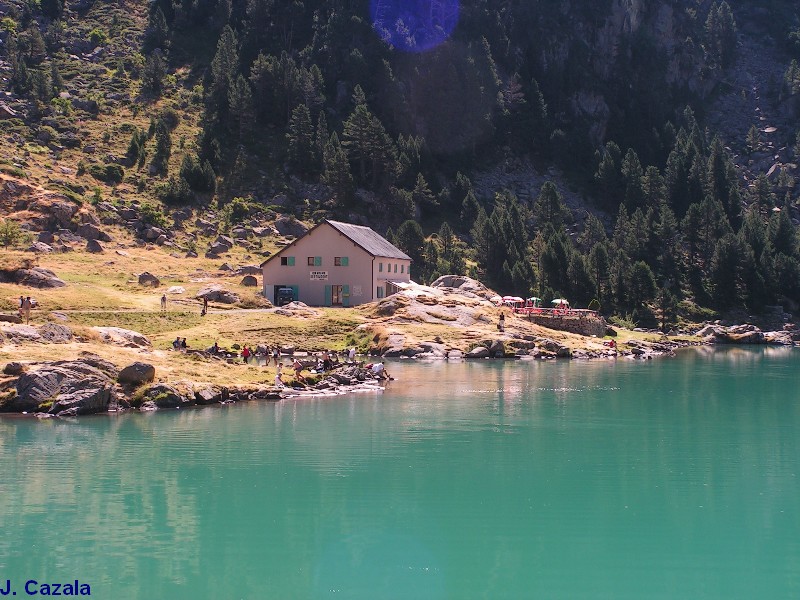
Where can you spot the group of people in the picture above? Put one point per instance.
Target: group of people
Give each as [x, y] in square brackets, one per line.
[25, 306]
[179, 344]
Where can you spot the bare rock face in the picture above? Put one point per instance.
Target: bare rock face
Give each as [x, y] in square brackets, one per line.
[137, 374]
[149, 279]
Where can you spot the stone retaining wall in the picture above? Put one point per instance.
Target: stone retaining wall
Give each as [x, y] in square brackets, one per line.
[584, 325]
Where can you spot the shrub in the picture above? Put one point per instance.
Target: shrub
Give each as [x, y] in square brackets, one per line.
[98, 37]
[175, 192]
[236, 211]
[170, 118]
[200, 178]
[109, 172]
[626, 322]
[152, 215]
[10, 233]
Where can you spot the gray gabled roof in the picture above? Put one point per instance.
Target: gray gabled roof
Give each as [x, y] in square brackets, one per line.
[374, 243]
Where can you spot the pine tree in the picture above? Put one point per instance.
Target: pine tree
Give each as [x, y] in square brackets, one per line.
[721, 181]
[240, 105]
[225, 64]
[632, 174]
[447, 240]
[160, 162]
[599, 264]
[154, 72]
[726, 271]
[157, 33]
[549, 207]
[422, 195]
[654, 189]
[608, 175]
[336, 171]
[410, 239]
[301, 140]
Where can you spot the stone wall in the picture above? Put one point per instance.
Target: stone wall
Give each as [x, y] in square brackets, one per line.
[583, 325]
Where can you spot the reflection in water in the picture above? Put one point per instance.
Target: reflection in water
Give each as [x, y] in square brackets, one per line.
[671, 478]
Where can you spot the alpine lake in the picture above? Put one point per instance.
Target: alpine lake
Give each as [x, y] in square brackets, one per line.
[662, 479]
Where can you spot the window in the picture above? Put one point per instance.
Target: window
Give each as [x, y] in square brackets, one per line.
[402, 268]
[395, 267]
[311, 261]
[380, 267]
[379, 293]
[341, 261]
[287, 261]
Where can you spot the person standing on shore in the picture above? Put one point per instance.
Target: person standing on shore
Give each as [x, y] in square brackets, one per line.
[276, 354]
[205, 307]
[351, 354]
[163, 302]
[278, 376]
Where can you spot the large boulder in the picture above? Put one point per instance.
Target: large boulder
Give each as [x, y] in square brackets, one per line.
[463, 285]
[92, 232]
[210, 395]
[55, 333]
[94, 247]
[149, 279]
[75, 387]
[290, 226]
[37, 277]
[746, 337]
[22, 333]
[478, 352]
[166, 396]
[216, 293]
[497, 349]
[137, 374]
[40, 248]
[249, 281]
[123, 337]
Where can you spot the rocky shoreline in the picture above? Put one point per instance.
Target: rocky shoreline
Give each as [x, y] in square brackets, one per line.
[90, 384]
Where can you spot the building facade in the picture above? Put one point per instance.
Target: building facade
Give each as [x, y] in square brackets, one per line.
[336, 264]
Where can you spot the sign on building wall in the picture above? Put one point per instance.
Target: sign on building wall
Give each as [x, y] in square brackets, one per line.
[318, 276]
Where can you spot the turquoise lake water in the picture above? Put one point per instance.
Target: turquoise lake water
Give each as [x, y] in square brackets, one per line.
[672, 478]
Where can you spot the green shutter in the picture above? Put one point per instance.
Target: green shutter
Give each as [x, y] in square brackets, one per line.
[345, 295]
[317, 261]
[327, 295]
[290, 260]
[345, 261]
